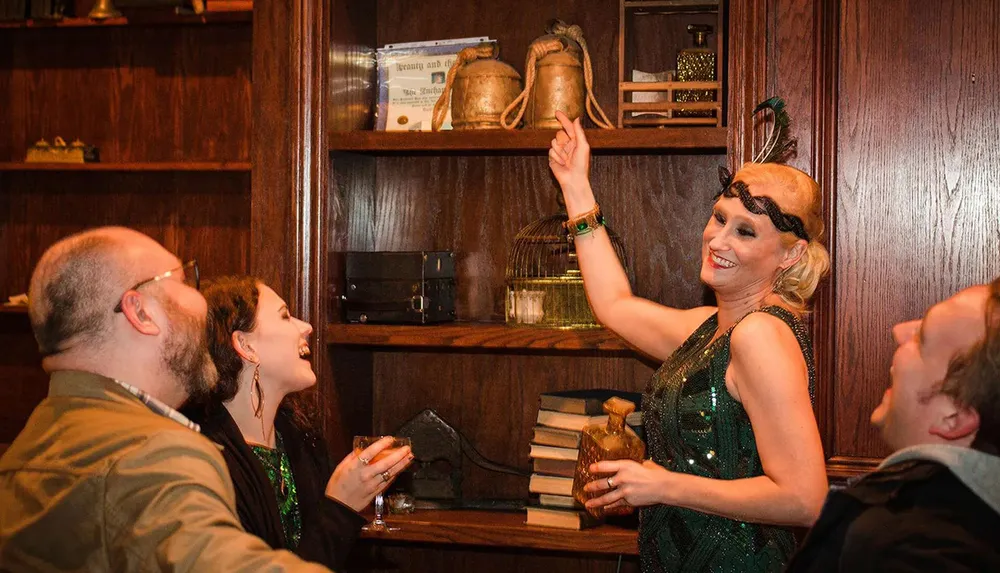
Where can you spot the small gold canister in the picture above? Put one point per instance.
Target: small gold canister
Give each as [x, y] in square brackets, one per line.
[478, 89]
[558, 86]
[483, 89]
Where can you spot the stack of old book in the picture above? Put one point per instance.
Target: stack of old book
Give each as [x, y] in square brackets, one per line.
[555, 446]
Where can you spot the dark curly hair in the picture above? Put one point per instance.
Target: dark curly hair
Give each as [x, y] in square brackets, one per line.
[232, 307]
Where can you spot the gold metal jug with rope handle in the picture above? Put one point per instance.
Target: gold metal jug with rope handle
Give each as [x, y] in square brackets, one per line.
[558, 76]
[479, 87]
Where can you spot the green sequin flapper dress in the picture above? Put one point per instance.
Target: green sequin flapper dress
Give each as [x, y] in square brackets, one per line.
[279, 473]
[694, 426]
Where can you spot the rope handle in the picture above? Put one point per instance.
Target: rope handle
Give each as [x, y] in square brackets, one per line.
[465, 56]
[576, 33]
[539, 49]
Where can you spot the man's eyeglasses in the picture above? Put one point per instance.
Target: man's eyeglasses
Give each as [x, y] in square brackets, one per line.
[191, 278]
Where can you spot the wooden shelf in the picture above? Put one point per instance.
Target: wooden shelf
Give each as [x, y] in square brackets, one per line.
[674, 5]
[504, 529]
[147, 19]
[473, 335]
[5, 309]
[529, 140]
[136, 166]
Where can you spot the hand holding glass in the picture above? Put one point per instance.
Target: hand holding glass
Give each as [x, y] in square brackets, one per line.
[361, 447]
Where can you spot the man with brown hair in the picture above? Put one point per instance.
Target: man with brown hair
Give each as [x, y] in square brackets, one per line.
[107, 475]
[934, 504]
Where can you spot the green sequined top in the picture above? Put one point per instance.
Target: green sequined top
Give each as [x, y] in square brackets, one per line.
[695, 427]
[279, 473]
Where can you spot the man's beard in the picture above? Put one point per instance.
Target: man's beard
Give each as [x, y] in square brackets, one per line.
[185, 352]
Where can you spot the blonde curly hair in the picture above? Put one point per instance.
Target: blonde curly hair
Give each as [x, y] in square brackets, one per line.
[796, 194]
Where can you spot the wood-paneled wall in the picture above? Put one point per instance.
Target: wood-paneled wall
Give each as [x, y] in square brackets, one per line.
[918, 181]
[896, 107]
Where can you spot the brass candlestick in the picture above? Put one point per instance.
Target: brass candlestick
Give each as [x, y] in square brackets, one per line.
[103, 10]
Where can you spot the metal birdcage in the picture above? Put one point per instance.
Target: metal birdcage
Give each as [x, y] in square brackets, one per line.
[544, 285]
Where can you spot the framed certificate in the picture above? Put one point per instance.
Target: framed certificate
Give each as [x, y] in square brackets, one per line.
[411, 78]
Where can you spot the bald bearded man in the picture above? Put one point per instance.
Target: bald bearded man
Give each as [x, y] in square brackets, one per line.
[107, 475]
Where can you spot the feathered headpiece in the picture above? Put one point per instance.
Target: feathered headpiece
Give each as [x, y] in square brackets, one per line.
[776, 146]
[778, 143]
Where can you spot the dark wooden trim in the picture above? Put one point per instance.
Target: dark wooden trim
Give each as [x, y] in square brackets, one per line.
[505, 529]
[314, 294]
[287, 184]
[691, 138]
[747, 76]
[239, 166]
[288, 181]
[825, 169]
[140, 19]
[474, 335]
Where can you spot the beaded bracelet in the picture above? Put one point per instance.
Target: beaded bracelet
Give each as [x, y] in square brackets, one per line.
[585, 223]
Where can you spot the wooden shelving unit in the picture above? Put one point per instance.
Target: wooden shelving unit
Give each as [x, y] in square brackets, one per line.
[147, 19]
[471, 192]
[167, 99]
[129, 166]
[504, 529]
[601, 140]
[473, 335]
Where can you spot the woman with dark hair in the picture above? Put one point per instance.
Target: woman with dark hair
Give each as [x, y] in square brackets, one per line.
[287, 491]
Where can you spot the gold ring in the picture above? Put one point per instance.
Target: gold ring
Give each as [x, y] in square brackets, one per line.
[385, 476]
[364, 461]
[611, 484]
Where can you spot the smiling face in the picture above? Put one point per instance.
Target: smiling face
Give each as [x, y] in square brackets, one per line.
[281, 344]
[741, 252]
[913, 411]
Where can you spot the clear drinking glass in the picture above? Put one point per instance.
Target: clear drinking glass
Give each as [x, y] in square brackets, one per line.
[360, 444]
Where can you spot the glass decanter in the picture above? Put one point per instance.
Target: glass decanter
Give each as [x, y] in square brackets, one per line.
[696, 64]
[600, 442]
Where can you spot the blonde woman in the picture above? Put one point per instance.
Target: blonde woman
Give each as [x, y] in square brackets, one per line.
[735, 453]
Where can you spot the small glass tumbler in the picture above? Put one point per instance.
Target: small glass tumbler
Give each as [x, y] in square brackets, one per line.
[361, 443]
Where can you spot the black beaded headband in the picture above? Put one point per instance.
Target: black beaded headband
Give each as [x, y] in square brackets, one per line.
[775, 147]
[764, 205]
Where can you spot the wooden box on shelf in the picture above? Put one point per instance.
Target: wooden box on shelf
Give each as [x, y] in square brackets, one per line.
[687, 87]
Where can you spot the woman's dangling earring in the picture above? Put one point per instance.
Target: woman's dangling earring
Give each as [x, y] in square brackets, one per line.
[778, 281]
[258, 392]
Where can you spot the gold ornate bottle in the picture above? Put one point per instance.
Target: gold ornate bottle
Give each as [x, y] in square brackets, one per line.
[696, 64]
[600, 442]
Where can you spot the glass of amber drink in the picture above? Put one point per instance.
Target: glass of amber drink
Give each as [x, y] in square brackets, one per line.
[362, 443]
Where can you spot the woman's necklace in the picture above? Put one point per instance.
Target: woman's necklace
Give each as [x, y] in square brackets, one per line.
[264, 455]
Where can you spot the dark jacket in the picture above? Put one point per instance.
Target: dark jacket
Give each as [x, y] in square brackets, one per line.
[933, 508]
[329, 528]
